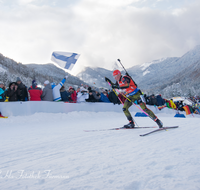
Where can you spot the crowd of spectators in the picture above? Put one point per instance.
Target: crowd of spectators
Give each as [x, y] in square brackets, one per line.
[17, 91]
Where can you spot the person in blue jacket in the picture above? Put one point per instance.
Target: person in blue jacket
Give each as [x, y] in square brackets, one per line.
[104, 97]
[2, 92]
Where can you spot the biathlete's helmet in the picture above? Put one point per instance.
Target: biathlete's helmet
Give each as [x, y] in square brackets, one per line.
[116, 72]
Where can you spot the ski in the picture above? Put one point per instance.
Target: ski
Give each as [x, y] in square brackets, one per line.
[160, 129]
[118, 128]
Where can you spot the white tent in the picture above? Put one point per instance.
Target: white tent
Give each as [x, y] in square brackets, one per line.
[185, 100]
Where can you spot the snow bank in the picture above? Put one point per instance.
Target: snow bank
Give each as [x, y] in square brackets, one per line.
[31, 107]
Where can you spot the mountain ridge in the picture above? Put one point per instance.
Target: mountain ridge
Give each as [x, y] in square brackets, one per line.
[171, 76]
[161, 76]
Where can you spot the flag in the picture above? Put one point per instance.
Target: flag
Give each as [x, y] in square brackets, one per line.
[65, 59]
[187, 110]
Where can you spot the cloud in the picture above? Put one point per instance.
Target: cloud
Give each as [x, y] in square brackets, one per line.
[101, 31]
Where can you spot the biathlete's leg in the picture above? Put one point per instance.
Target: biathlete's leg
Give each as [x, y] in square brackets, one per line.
[151, 114]
[126, 106]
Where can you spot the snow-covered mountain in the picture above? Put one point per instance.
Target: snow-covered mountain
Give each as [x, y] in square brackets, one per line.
[172, 76]
[168, 76]
[10, 70]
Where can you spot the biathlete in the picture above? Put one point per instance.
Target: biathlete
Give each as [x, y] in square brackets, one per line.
[134, 94]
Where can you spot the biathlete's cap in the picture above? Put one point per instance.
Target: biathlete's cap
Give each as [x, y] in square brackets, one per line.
[116, 72]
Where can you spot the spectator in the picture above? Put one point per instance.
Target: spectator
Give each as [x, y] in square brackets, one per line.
[93, 96]
[153, 100]
[22, 94]
[180, 106]
[82, 95]
[104, 98]
[172, 104]
[78, 90]
[105, 92]
[64, 94]
[56, 89]
[160, 100]
[73, 95]
[12, 92]
[47, 94]
[35, 92]
[2, 92]
[147, 99]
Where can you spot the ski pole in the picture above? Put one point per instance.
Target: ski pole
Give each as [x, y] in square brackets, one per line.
[120, 99]
[134, 103]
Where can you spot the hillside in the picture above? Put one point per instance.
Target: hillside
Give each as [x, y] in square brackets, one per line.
[10, 70]
[172, 76]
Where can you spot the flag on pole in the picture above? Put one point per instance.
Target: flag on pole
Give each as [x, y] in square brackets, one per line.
[65, 59]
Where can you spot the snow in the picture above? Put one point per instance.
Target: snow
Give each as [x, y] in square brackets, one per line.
[146, 72]
[52, 151]
[2, 70]
[146, 65]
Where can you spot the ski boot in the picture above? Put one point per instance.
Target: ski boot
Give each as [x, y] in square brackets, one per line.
[130, 125]
[159, 123]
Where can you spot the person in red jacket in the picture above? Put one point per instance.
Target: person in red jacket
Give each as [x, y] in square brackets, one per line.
[35, 92]
[73, 95]
[134, 96]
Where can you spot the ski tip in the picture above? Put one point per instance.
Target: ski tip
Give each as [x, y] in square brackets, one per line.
[168, 127]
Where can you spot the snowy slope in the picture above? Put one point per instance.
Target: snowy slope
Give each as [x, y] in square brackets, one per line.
[2, 70]
[52, 151]
[156, 75]
[95, 76]
[39, 72]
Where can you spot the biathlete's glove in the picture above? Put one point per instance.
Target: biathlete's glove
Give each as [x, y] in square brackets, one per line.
[108, 80]
[115, 86]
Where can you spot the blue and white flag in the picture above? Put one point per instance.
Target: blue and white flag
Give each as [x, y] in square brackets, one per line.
[65, 59]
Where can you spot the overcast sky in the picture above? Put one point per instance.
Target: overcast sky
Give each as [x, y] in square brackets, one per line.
[136, 31]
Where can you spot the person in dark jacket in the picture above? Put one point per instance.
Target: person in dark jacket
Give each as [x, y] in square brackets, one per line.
[35, 92]
[160, 100]
[153, 100]
[65, 95]
[22, 90]
[47, 94]
[12, 92]
[93, 96]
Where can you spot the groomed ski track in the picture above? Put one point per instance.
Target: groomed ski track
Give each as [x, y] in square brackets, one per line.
[51, 151]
